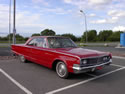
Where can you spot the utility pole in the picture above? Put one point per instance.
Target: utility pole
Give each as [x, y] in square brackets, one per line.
[85, 25]
[9, 22]
[14, 21]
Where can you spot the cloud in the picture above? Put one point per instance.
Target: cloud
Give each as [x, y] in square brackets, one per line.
[100, 2]
[112, 12]
[68, 1]
[4, 8]
[79, 3]
[119, 28]
[105, 21]
[92, 15]
[25, 21]
[56, 10]
[116, 13]
[28, 20]
[92, 4]
[101, 21]
[3, 16]
[43, 2]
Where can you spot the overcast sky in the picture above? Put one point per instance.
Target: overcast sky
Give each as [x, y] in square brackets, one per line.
[63, 16]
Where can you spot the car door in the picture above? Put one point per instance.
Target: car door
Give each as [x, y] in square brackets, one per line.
[29, 47]
[39, 51]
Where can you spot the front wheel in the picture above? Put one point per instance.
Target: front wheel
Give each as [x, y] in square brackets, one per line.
[61, 70]
[22, 59]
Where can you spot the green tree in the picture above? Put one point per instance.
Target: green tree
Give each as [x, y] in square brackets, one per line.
[78, 39]
[0, 38]
[18, 37]
[3, 39]
[26, 38]
[115, 36]
[48, 32]
[91, 36]
[10, 35]
[104, 35]
[35, 34]
[58, 35]
[70, 36]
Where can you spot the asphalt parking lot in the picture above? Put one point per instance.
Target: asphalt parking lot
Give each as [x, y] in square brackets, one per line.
[31, 78]
[5, 51]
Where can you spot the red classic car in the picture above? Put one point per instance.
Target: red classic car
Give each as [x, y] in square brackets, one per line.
[61, 54]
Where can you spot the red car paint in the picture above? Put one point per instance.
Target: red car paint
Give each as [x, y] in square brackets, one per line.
[47, 56]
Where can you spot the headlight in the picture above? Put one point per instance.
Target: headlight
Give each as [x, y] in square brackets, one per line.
[84, 62]
[107, 58]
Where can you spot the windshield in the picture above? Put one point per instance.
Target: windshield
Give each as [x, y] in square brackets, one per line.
[60, 42]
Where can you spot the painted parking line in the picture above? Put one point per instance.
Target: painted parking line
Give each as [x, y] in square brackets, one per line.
[117, 65]
[90, 74]
[110, 64]
[15, 82]
[85, 81]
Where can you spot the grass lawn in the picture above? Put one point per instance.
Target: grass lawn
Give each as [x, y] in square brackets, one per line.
[11, 42]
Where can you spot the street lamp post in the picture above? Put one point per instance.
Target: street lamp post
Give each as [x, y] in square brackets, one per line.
[14, 21]
[85, 25]
[9, 21]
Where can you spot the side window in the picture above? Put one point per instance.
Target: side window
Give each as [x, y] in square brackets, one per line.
[41, 42]
[32, 42]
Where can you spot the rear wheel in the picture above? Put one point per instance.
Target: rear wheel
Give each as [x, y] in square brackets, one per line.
[22, 59]
[61, 70]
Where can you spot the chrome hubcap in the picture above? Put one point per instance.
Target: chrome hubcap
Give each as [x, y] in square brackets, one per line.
[61, 70]
[22, 58]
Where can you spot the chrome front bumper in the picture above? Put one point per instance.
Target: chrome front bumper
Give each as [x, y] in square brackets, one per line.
[78, 69]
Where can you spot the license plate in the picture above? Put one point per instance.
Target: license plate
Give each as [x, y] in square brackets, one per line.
[99, 68]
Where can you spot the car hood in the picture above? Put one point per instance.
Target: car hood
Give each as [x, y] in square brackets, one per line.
[81, 52]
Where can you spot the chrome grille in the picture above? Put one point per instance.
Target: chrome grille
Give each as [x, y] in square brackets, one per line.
[96, 61]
